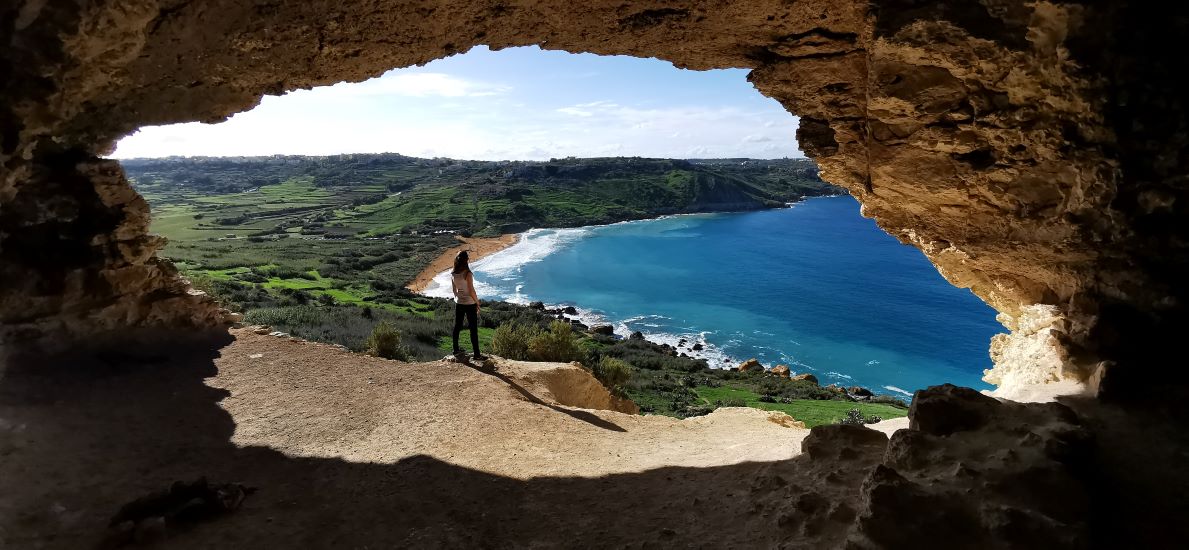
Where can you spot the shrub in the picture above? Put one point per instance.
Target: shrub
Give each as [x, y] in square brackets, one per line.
[385, 342]
[613, 373]
[556, 344]
[203, 283]
[511, 340]
[730, 402]
[889, 400]
[855, 417]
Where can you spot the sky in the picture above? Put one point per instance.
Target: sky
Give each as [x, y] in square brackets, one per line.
[514, 104]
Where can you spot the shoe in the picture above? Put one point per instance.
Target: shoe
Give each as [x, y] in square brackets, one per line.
[479, 357]
[459, 354]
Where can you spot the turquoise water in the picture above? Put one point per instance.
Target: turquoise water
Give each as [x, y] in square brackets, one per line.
[815, 286]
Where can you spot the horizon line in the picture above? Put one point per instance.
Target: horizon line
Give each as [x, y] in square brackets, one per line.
[551, 159]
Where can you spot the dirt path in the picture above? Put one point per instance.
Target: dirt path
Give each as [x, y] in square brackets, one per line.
[355, 451]
[478, 248]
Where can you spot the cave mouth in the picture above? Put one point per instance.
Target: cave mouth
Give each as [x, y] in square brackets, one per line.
[1033, 150]
[988, 138]
[264, 230]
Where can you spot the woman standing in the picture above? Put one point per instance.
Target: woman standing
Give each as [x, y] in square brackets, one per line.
[468, 303]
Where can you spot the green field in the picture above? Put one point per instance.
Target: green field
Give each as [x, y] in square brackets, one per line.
[446, 344]
[812, 412]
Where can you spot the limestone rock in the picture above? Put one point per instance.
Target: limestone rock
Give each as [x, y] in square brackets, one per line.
[962, 443]
[751, 365]
[808, 377]
[1033, 151]
[989, 138]
[605, 330]
[843, 442]
[780, 370]
[945, 409]
[859, 391]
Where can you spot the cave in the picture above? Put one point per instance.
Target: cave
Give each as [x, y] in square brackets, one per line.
[1034, 151]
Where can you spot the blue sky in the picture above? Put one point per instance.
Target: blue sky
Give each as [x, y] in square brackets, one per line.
[517, 103]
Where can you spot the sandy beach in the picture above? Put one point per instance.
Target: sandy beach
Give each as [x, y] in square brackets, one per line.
[478, 248]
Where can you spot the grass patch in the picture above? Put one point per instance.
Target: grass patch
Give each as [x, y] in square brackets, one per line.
[812, 412]
[464, 340]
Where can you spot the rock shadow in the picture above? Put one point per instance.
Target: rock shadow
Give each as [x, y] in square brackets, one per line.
[577, 414]
[81, 436]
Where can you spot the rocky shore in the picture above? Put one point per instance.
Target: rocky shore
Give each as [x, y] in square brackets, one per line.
[684, 348]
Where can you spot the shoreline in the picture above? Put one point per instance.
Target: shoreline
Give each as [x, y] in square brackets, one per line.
[486, 246]
[478, 247]
[680, 342]
[711, 353]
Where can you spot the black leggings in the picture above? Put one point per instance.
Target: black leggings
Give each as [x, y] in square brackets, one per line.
[472, 314]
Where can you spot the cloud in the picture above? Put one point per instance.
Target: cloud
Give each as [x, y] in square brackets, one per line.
[574, 111]
[475, 115]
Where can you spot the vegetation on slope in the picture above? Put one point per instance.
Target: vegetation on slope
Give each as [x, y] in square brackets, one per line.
[380, 195]
[321, 247]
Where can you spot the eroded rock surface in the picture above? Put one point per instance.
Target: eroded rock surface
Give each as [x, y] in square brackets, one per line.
[1035, 151]
[1026, 148]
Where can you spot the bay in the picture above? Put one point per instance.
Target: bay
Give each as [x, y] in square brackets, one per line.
[815, 286]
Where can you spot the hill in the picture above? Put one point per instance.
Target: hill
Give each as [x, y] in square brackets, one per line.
[386, 194]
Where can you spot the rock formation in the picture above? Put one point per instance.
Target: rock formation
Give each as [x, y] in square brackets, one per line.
[1034, 151]
[1031, 153]
[751, 365]
[806, 376]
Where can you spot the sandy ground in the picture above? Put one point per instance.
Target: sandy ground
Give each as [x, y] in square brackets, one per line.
[351, 451]
[478, 247]
[376, 410]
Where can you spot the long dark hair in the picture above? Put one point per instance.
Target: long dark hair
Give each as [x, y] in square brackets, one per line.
[460, 262]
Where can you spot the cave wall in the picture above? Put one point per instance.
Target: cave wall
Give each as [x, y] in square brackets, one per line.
[1027, 148]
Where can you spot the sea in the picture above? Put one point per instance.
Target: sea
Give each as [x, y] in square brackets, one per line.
[814, 286]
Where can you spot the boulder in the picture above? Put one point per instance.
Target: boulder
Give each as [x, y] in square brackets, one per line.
[697, 347]
[606, 330]
[637, 335]
[539, 306]
[859, 391]
[780, 370]
[946, 409]
[751, 365]
[841, 442]
[569, 310]
[806, 377]
[835, 388]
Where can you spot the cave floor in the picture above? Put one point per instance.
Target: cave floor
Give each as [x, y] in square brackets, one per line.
[353, 451]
